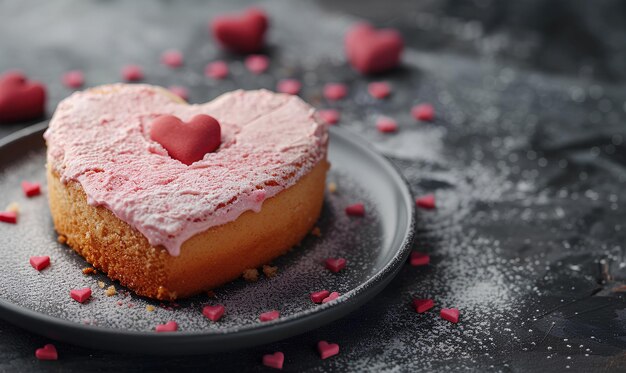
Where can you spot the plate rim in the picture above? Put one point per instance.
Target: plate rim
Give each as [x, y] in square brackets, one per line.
[253, 334]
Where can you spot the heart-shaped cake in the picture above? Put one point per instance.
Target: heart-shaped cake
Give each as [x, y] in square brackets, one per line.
[168, 228]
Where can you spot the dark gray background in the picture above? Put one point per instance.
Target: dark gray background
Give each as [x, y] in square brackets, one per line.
[527, 159]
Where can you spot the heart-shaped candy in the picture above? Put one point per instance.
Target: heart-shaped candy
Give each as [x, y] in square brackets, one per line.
[213, 313]
[80, 295]
[170, 326]
[450, 314]
[39, 262]
[241, 33]
[47, 352]
[8, 217]
[319, 296]
[187, 142]
[274, 360]
[269, 316]
[335, 264]
[423, 305]
[373, 51]
[332, 296]
[20, 99]
[327, 350]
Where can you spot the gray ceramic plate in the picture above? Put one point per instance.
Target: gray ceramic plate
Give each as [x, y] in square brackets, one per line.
[375, 247]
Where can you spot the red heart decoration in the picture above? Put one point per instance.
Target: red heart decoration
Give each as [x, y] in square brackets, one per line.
[357, 209]
[373, 51]
[80, 295]
[327, 350]
[335, 264]
[39, 262]
[187, 142]
[20, 99]
[319, 296]
[213, 313]
[241, 33]
[332, 296]
[450, 314]
[47, 352]
[274, 360]
[269, 316]
[8, 217]
[419, 259]
[423, 305]
[170, 326]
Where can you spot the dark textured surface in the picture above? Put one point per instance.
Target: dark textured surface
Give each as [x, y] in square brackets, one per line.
[526, 157]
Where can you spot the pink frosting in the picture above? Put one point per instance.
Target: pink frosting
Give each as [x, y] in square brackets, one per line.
[100, 139]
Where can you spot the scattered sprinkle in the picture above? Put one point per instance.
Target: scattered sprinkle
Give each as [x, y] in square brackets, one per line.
[170, 326]
[89, 270]
[251, 275]
[335, 91]
[423, 305]
[450, 314]
[110, 291]
[80, 295]
[47, 352]
[357, 209]
[101, 284]
[179, 91]
[426, 202]
[31, 189]
[269, 316]
[319, 296]
[386, 125]
[329, 116]
[423, 112]
[172, 58]
[40, 262]
[14, 207]
[379, 90]
[216, 70]
[332, 187]
[327, 350]
[289, 86]
[213, 313]
[150, 308]
[257, 63]
[61, 239]
[335, 264]
[73, 79]
[8, 217]
[419, 259]
[270, 271]
[274, 360]
[332, 296]
[316, 232]
[132, 73]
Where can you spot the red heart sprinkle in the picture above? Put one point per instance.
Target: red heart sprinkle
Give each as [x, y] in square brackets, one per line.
[80, 295]
[47, 352]
[335, 264]
[213, 313]
[423, 305]
[330, 116]
[372, 51]
[379, 89]
[179, 91]
[319, 296]
[39, 262]
[426, 202]
[187, 142]
[327, 350]
[386, 125]
[423, 112]
[172, 58]
[334, 295]
[450, 314]
[170, 326]
[357, 209]
[73, 79]
[20, 99]
[269, 316]
[419, 259]
[31, 189]
[335, 91]
[274, 360]
[257, 63]
[242, 33]
[289, 86]
[216, 70]
[132, 73]
[8, 217]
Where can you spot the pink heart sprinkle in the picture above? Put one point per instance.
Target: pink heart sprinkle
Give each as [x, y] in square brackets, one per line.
[216, 70]
[31, 189]
[257, 63]
[170, 326]
[327, 350]
[330, 116]
[319, 296]
[73, 79]
[335, 91]
[47, 352]
[39, 262]
[386, 125]
[426, 202]
[8, 217]
[423, 305]
[379, 89]
[335, 264]
[213, 313]
[419, 259]
[80, 295]
[289, 86]
[334, 295]
[423, 112]
[132, 73]
[172, 58]
[274, 360]
[450, 314]
[357, 209]
[179, 91]
[269, 316]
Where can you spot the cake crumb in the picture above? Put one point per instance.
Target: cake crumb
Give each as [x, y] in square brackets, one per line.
[62, 239]
[251, 275]
[210, 294]
[89, 270]
[316, 232]
[110, 291]
[13, 207]
[101, 284]
[269, 271]
[150, 308]
[332, 187]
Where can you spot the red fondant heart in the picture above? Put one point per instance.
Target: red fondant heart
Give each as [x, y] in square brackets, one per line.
[335, 264]
[327, 350]
[450, 314]
[274, 360]
[20, 99]
[242, 33]
[213, 313]
[319, 296]
[187, 142]
[80, 295]
[423, 305]
[269, 316]
[39, 262]
[8, 217]
[373, 51]
[170, 326]
[47, 352]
